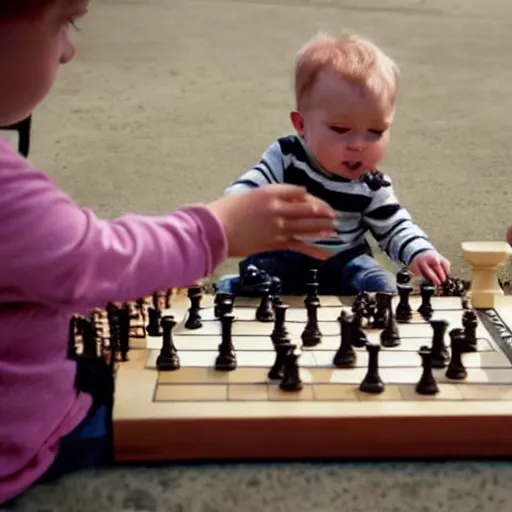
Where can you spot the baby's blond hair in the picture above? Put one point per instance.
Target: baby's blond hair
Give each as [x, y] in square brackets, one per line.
[349, 57]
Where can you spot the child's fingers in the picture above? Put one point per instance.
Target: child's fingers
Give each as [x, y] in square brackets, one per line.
[307, 228]
[305, 209]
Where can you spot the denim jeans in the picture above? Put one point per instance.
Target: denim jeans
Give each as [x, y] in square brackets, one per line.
[336, 275]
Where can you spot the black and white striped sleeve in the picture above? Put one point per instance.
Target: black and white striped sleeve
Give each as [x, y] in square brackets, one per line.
[393, 228]
[269, 170]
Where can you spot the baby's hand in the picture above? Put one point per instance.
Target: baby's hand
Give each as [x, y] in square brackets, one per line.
[272, 218]
[432, 266]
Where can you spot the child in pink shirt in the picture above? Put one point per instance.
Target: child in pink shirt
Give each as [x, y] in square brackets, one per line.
[57, 259]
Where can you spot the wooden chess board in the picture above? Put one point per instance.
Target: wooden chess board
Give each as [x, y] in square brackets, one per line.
[199, 413]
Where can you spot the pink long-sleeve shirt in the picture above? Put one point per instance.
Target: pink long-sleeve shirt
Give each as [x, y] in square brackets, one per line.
[56, 259]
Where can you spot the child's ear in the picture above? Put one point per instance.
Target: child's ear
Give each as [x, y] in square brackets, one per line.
[297, 122]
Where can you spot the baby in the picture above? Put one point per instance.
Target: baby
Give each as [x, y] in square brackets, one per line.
[58, 259]
[345, 90]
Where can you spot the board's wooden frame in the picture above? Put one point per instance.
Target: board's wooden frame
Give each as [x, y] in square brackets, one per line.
[149, 431]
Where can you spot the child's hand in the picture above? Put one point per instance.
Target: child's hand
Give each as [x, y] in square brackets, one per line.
[432, 266]
[272, 218]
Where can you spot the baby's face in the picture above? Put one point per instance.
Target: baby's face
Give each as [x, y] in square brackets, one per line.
[31, 52]
[346, 129]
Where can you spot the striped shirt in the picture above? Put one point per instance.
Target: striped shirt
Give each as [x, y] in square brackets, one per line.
[365, 205]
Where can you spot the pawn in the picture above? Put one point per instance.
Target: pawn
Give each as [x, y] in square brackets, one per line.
[440, 355]
[264, 312]
[275, 291]
[470, 324]
[345, 356]
[194, 313]
[427, 384]
[226, 359]
[168, 359]
[382, 301]
[427, 290]
[390, 336]
[311, 336]
[277, 370]
[372, 383]
[456, 369]
[358, 337]
[279, 332]
[291, 376]
[154, 328]
[403, 311]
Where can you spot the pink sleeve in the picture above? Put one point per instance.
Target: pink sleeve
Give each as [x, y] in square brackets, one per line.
[55, 252]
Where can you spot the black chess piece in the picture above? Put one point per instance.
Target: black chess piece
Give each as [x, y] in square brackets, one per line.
[382, 301]
[89, 339]
[168, 359]
[372, 383]
[390, 336]
[280, 332]
[226, 359]
[115, 331]
[312, 287]
[470, 325]
[277, 370]
[311, 336]
[124, 331]
[440, 355]
[345, 356]
[357, 335]
[264, 311]
[403, 313]
[291, 374]
[154, 328]
[194, 313]
[275, 291]
[456, 369]
[427, 384]
[427, 290]
[223, 303]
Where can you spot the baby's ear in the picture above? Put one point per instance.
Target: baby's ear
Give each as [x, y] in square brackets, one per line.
[297, 122]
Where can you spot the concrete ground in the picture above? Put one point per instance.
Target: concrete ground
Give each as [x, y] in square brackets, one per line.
[169, 101]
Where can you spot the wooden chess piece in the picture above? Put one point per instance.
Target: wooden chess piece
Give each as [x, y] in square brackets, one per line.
[291, 374]
[345, 356]
[456, 369]
[372, 383]
[427, 384]
[485, 258]
[226, 359]
[194, 313]
[440, 355]
[168, 359]
[264, 311]
[311, 336]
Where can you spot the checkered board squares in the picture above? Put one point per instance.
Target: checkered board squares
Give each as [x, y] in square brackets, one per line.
[489, 369]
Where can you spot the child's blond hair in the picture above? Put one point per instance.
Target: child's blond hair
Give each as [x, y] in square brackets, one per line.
[349, 57]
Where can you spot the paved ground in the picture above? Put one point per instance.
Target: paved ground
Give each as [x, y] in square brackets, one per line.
[168, 101]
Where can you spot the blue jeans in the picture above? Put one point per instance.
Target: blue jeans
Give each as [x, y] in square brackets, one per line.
[336, 276]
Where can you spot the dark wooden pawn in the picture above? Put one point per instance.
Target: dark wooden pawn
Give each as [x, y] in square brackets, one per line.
[226, 359]
[456, 369]
[277, 370]
[427, 384]
[470, 325]
[168, 359]
[194, 312]
[311, 336]
[264, 311]
[382, 301]
[280, 332]
[390, 336]
[291, 374]
[372, 383]
[154, 328]
[440, 356]
[427, 290]
[345, 356]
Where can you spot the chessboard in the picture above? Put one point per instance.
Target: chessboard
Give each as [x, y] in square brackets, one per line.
[204, 375]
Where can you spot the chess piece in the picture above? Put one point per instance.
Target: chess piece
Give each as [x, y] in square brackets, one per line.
[153, 328]
[345, 356]
[223, 303]
[403, 311]
[311, 336]
[427, 290]
[264, 311]
[470, 325]
[357, 335]
[194, 313]
[167, 359]
[390, 336]
[275, 291]
[123, 314]
[382, 301]
[226, 359]
[440, 356]
[427, 384]
[456, 369]
[280, 332]
[291, 375]
[312, 286]
[372, 383]
[277, 370]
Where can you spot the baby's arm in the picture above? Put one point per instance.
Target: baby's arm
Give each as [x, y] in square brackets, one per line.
[269, 170]
[54, 252]
[393, 228]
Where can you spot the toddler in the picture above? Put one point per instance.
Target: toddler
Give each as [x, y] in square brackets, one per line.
[345, 93]
[57, 259]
